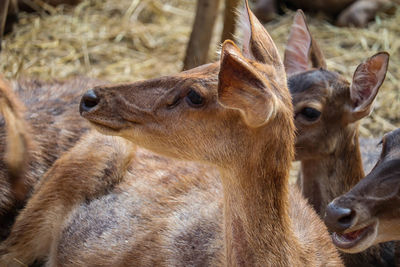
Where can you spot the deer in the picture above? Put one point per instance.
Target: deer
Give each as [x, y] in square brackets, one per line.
[38, 124]
[255, 218]
[368, 214]
[327, 111]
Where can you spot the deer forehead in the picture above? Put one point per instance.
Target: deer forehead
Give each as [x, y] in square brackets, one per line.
[316, 82]
[391, 147]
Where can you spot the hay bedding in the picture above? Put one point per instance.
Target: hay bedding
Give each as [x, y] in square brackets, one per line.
[129, 40]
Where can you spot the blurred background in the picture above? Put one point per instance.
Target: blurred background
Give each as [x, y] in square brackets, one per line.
[129, 40]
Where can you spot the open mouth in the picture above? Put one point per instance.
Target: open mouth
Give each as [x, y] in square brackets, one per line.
[353, 238]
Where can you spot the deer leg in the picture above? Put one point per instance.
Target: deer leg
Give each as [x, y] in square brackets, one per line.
[88, 171]
[200, 38]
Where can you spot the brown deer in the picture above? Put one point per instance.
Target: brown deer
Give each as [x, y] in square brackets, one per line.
[38, 123]
[179, 215]
[252, 102]
[327, 112]
[369, 213]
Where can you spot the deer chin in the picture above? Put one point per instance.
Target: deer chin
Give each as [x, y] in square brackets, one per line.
[110, 127]
[356, 238]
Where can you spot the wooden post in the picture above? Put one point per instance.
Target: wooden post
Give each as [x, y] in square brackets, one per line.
[200, 38]
[3, 15]
[230, 19]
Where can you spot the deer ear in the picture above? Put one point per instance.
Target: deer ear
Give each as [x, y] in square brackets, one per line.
[258, 44]
[241, 87]
[301, 47]
[317, 57]
[367, 80]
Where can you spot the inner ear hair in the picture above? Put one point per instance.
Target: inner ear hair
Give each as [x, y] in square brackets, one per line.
[367, 79]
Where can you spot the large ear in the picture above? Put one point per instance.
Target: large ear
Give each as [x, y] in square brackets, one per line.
[301, 47]
[257, 43]
[367, 80]
[241, 87]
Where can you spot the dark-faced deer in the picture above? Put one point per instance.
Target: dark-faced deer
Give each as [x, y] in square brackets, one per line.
[369, 213]
[38, 123]
[327, 112]
[235, 115]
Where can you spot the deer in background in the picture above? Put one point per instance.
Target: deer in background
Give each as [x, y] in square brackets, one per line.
[180, 218]
[327, 112]
[38, 124]
[369, 213]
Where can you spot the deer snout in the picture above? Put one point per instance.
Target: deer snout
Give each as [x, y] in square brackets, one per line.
[339, 218]
[88, 102]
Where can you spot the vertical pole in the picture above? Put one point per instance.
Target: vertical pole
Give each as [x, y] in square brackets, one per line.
[3, 15]
[200, 38]
[230, 19]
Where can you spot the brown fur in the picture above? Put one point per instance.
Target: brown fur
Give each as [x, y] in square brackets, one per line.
[167, 213]
[40, 121]
[328, 146]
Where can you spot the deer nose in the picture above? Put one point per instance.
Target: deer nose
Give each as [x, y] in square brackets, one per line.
[338, 218]
[89, 101]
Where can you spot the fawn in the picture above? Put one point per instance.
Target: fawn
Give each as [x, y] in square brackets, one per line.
[327, 112]
[369, 213]
[38, 124]
[162, 217]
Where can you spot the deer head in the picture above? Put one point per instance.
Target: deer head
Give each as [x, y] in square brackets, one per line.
[324, 102]
[369, 213]
[193, 116]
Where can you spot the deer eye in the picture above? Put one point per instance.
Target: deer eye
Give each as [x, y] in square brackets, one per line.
[194, 99]
[310, 114]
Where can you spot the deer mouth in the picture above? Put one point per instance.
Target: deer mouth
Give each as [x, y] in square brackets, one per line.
[356, 239]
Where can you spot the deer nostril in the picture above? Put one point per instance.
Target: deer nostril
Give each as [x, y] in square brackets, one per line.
[346, 219]
[339, 218]
[89, 101]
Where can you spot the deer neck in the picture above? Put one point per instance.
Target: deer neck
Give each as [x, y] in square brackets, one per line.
[324, 178]
[256, 222]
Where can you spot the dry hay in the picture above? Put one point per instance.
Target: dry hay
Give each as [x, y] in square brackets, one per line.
[129, 40]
